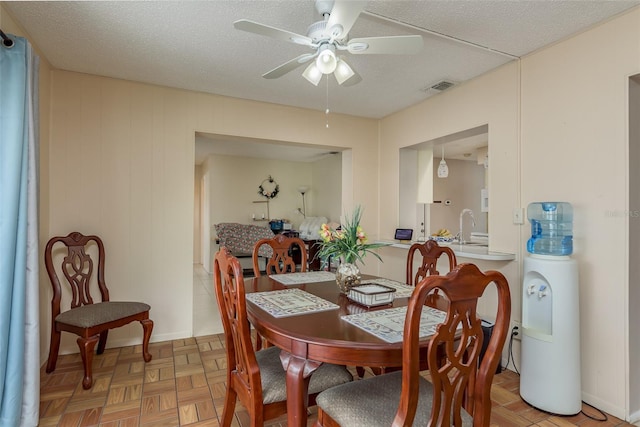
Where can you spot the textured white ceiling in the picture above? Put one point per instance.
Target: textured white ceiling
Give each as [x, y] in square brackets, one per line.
[193, 44]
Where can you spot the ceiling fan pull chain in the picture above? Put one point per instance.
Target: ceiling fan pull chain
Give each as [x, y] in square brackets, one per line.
[326, 112]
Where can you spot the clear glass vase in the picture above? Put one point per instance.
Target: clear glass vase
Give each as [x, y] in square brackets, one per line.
[347, 276]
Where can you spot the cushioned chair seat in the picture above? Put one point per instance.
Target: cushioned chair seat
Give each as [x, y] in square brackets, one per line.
[81, 266]
[460, 391]
[374, 402]
[255, 378]
[273, 376]
[87, 316]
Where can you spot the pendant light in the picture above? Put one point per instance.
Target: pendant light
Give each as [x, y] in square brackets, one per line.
[443, 169]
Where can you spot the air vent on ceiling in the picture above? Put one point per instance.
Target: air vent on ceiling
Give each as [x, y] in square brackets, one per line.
[439, 87]
[442, 85]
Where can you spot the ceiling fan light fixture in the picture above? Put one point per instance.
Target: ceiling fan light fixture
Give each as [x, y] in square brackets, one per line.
[343, 71]
[329, 36]
[326, 61]
[312, 74]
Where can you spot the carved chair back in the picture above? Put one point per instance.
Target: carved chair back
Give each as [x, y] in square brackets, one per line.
[243, 371]
[89, 318]
[78, 270]
[281, 260]
[459, 380]
[431, 252]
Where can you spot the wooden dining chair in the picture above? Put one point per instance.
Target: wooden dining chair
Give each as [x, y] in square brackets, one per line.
[281, 260]
[89, 319]
[431, 253]
[256, 378]
[459, 392]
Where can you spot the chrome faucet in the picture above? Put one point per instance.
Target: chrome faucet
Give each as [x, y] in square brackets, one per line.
[473, 223]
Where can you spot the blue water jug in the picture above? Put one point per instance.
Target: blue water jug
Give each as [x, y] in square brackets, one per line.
[551, 228]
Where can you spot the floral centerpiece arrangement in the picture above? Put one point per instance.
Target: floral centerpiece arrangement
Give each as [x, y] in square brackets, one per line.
[349, 244]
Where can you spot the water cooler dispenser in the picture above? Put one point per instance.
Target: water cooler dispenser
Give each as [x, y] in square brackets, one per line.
[550, 362]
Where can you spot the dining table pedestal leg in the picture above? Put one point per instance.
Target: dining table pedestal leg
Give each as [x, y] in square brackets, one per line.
[299, 372]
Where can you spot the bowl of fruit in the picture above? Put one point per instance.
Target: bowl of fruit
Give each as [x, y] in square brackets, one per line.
[443, 236]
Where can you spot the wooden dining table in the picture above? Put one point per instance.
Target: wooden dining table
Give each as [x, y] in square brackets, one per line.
[310, 339]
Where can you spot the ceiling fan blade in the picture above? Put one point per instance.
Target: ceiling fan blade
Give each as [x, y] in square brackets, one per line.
[385, 45]
[288, 66]
[342, 17]
[273, 32]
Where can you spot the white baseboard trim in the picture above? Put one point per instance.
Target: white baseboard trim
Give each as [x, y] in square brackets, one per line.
[171, 336]
[597, 403]
[126, 342]
[600, 404]
[123, 342]
[503, 363]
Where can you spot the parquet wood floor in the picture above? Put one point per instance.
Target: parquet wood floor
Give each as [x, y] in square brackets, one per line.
[183, 385]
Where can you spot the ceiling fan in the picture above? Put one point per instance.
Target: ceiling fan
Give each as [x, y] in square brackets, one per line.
[328, 38]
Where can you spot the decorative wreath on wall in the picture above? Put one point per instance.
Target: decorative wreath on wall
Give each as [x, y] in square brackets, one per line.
[269, 188]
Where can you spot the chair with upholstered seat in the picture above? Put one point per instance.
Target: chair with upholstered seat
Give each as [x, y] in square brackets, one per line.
[256, 378]
[89, 320]
[459, 390]
[281, 260]
[431, 252]
[280, 248]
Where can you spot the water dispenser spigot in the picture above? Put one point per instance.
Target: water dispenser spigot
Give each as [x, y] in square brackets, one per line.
[542, 292]
[531, 289]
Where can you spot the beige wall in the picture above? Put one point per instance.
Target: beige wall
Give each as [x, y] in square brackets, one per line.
[124, 152]
[234, 202]
[233, 186]
[575, 122]
[461, 108]
[491, 100]
[462, 187]
[548, 138]
[323, 198]
[118, 160]
[197, 211]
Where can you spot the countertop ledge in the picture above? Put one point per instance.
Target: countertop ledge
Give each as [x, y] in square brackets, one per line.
[465, 251]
